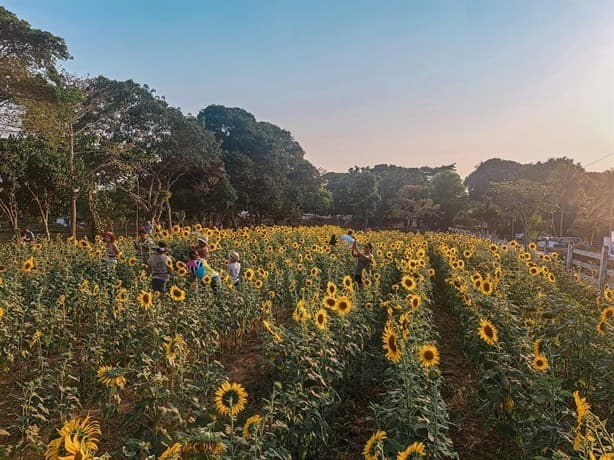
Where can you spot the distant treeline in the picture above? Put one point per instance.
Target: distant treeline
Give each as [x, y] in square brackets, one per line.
[108, 153]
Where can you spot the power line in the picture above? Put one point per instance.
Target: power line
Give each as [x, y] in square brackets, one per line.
[597, 161]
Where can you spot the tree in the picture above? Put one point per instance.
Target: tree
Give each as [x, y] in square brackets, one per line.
[12, 171]
[265, 164]
[525, 200]
[185, 151]
[448, 192]
[27, 65]
[495, 170]
[566, 182]
[104, 127]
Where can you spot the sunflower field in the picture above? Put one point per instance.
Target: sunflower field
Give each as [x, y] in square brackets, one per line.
[297, 361]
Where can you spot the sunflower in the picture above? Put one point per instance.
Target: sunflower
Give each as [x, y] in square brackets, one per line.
[132, 261]
[414, 301]
[348, 282]
[145, 299]
[249, 274]
[321, 319]
[601, 327]
[408, 282]
[343, 305]
[488, 332]
[204, 447]
[551, 277]
[331, 288]
[75, 449]
[35, 338]
[276, 335]
[534, 271]
[416, 448]
[493, 248]
[258, 284]
[373, 445]
[404, 322]
[487, 287]
[607, 314]
[251, 425]
[230, 399]
[532, 246]
[391, 344]
[182, 272]
[176, 293]
[122, 296]
[78, 438]
[174, 348]
[111, 376]
[582, 407]
[169, 263]
[314, 271]
[1, 313]
[428, 355]
[300, 312]
[329, 301]
[27, 265]
[431, 272]
[540, 363]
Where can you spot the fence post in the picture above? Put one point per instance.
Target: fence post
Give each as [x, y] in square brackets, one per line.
[569, 255]
[603, 264]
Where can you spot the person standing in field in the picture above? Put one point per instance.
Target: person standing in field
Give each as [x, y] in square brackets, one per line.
[234, 267]
[195, 265]
[111, 249]
[159, 268]
[364, 260]
[143, 245]
[202, 247]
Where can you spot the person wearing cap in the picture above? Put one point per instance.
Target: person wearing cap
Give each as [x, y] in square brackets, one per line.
[202, 247]
[364, 260]
[160, 272]
[234, 267]
[111, 248]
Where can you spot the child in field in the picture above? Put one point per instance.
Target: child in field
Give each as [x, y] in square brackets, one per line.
[196, 265]
[111, 248]
[234, 267]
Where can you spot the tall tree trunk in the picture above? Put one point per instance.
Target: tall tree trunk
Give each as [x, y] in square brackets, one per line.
[74, 191]
[11, 211]
[169, 213]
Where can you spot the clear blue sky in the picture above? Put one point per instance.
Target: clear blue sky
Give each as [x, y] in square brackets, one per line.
[360, 83]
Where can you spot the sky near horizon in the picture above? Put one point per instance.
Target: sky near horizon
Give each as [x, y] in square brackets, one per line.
[412, 83]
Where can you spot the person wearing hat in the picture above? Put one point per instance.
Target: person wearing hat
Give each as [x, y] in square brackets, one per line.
[202, 247]
[111, 248]
[160, 272]
[234, 267]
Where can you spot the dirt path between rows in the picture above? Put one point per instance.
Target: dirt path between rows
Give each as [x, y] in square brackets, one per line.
[459, 391]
